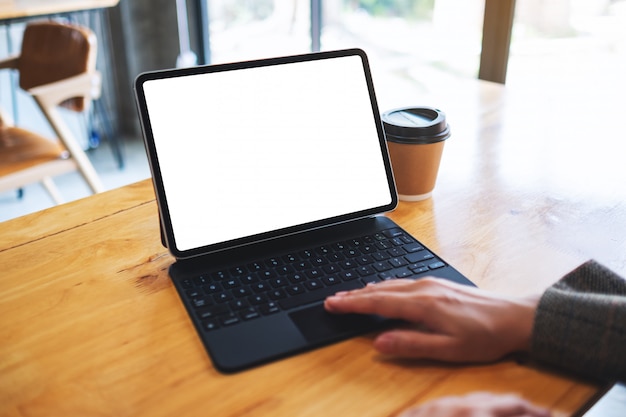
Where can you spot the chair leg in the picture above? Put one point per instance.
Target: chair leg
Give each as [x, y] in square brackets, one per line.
[65, 135]
[52, 190]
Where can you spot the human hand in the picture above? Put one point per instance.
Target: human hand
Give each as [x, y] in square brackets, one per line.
[480, 404]
[455, 322]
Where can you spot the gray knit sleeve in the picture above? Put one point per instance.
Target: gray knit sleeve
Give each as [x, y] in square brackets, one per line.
[580, 324]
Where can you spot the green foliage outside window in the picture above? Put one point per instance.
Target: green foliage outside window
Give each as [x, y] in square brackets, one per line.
[407, 9]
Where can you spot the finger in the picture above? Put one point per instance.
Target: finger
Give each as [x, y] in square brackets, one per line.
[422, 285]
[418, 345]
[363, 300]
[392, 284]
[399, 305]
[478, 404]
[505, 405]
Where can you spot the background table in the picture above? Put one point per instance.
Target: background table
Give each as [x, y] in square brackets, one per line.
[91, 325]
[14, 9]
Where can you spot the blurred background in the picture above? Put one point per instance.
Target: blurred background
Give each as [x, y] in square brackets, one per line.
[575, 48]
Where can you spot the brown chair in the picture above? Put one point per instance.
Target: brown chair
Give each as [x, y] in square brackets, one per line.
[56, 66]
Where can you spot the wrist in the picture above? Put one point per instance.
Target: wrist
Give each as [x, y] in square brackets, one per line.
[524, 322]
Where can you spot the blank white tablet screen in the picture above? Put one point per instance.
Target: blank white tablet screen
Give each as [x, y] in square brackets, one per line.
[254, 150]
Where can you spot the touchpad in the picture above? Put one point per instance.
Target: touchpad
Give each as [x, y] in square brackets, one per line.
[317, 325]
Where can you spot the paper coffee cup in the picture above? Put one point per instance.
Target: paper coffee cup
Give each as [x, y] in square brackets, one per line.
[415, 139]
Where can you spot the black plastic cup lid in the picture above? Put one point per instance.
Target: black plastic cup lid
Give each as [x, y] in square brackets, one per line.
[415, 125]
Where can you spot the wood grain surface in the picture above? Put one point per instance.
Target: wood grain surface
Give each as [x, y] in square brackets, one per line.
[90, 324]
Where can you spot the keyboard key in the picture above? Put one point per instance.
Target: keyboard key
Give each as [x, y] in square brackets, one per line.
[241, 292]
[335, 257]
[219, 275]
[201, 280]
[395, 273]
[212, 311]
[301, 266]
[381, 266]
[397, 262]
[313, 284]
[257, 299]
[200, 302]
[403, 273]
[239, 304]
[249, 314]
[370, 280]
[379, 236]
[413, 247]
[306, 254]
[194, 293]
[339, 246]
[406, 239]
[391, 233]
[278, 282]
[314, 273]
[318, 261]
[290, 258]
[386, 276]
[348, 275]
[248, 279]
[285, 269]
[231, 283]
[395, 252]
[418, 268]
[266, 274]
[269, 308]
[384, 244]
[296, 278]
[365, 249]
[222, 297]
[323, 250]
[380, 256]
[331, 280]
[229, 320]
[212, 288]
[209, 325]
[239, 270]
[436, 265]
[419, 256]
[295, 289]
[355, 243]
[256, 266]
[348, 264]
[365, 271]
[365, 260]
[273, 262]
[276, 294]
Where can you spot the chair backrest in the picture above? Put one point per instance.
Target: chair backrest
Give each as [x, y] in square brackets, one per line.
[53, 51]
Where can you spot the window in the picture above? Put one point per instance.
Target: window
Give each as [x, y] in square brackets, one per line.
[568, 43]
[402, 37]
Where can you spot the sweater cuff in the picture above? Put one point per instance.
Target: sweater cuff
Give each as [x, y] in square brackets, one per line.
[579, 324]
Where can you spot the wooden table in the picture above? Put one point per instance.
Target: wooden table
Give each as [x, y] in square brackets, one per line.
[16, 9]
[90, 324]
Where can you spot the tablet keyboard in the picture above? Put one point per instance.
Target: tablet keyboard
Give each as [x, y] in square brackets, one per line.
[226, 297]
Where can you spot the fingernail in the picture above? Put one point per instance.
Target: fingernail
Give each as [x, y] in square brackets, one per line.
[328, 303]
[384, 343]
